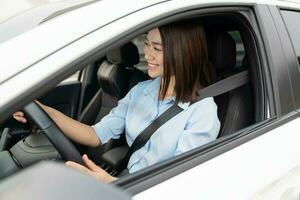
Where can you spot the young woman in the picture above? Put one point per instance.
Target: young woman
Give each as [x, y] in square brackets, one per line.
[178, 65]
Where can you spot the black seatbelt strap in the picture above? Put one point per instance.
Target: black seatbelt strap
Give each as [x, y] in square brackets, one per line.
[225, 85]
[145, 135]
[215, 89]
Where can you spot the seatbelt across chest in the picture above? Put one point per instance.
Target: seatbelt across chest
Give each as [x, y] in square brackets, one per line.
[213, 90]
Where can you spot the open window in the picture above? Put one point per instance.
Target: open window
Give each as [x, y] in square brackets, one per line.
[232, 49]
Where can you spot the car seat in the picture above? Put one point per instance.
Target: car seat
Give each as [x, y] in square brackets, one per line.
[116, 76]
[235, 108]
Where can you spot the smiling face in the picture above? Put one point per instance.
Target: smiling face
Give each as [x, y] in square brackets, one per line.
[154, 53]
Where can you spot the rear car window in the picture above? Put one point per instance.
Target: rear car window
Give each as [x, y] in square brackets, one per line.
[292, 21]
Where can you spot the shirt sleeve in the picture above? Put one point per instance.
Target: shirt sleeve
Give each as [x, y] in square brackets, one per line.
[113, 124]
[202, 127]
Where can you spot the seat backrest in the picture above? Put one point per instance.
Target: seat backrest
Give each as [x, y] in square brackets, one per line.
[116, 75]
[222, 53]
[235, 109]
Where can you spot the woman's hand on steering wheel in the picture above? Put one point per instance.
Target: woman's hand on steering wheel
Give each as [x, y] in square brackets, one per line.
[20, 116]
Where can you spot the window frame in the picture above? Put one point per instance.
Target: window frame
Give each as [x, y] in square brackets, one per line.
[157, 173]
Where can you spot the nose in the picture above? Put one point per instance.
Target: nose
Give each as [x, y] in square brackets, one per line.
[148, 57]
[148, 53]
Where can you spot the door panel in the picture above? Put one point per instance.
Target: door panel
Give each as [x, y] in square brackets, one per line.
[241, 173]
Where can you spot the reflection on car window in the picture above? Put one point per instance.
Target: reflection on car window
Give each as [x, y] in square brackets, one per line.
[240, 50]
[292, 21]
[73, 77]
[139, 42]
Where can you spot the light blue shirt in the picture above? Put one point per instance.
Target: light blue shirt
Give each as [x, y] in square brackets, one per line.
[196, 125]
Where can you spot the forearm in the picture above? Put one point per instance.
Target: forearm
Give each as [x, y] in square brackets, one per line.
[76, 131]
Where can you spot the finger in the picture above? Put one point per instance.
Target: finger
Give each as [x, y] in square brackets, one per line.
[97, 171]
[20, 119]
[78, 167]
[18, 113]
[90, 164]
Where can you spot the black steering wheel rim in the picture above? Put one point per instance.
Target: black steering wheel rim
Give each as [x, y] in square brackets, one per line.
[55, 135]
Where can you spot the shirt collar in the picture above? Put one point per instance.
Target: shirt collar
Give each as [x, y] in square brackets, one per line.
[184, 105]
[153, 88]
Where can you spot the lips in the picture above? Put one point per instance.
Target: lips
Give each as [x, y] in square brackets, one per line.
[152, 65]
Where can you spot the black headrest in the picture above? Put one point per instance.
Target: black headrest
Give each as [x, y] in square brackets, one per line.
[113, 75]
[125, 55]
[221, 50]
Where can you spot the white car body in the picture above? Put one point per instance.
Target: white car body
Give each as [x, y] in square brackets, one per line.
[254, 170]
[265, 167]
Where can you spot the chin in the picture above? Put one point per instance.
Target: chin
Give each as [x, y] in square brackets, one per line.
[154, 74]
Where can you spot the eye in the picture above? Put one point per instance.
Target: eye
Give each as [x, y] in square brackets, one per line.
[146, 43]
[157, 49]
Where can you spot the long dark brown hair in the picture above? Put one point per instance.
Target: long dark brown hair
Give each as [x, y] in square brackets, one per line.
[185, 57]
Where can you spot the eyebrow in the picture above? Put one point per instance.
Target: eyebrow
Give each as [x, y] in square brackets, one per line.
[155, 43]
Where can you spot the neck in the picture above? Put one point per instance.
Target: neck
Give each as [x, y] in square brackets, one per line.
[170, 91]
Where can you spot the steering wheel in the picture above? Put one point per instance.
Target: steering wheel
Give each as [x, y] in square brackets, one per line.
[62, 144]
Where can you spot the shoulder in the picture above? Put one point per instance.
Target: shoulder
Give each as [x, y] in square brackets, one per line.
[204, 107]
[203, 113]
[206, 102]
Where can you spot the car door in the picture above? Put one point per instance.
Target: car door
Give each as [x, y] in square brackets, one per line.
[237, 167]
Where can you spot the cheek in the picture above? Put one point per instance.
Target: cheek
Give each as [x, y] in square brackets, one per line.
[161, 60]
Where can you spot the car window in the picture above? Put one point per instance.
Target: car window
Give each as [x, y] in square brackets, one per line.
[139, 42]
[240, 50]
[292, 21]
[73, 77]
[11, 8]
[19, 16]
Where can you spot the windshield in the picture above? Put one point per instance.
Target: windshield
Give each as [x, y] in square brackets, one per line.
[18, 16]
[10, 8]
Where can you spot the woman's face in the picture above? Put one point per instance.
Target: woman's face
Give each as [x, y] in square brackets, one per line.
[154, 53]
